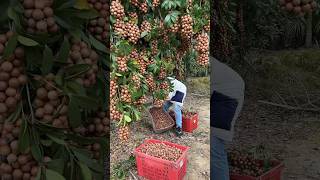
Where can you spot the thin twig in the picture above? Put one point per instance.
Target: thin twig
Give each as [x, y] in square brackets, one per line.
[133, 175]
[199, 95]
[30, 104]
[290, 107]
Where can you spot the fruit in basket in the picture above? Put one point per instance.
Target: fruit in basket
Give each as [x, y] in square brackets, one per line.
[244, 164]
[160, 118]
[161, 150]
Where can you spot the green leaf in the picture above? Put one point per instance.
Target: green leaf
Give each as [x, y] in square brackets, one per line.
[38, 177]
[76, 70]
[127, 118]
[72, 87]
[85, 102]
[24, 138]
[46, 142]
[74, 114]
[84, 157]
[56, 165]
[27, 41]
[143, 34]
[36, 152]
[59, 77]
[15, 115]
[53, 175]
[64, 51]
[76, 33]
[87, 14]
[57, 140]
[47, 60]
[86, 173]
[12, 14]
[97, 44]
[82, 4]
[10, 47]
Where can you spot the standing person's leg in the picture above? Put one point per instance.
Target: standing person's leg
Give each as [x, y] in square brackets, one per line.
[178, 115]
[219, 160]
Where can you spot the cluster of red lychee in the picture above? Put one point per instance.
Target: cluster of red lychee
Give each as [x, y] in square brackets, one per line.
[151, 83]
[155, 3]
[12, 78]
[124, 133]
[136, 80]
[186, 26]
[142, 65]
[144, 6]
[81, 53]
[141, 100]
[39, 16]
[175, 27]
[113, 87]
[125, 95]
[117, 10]
[115, 114]
[162, 73]
[132, 32]
[50, 106]
[99, 26]
[202, 47]
[154, 47]
[95, 148]
[100, 126]
[16, 165]
[299, 7]
[146, 26]
[158, 103]
[120, 27]
[122, 63]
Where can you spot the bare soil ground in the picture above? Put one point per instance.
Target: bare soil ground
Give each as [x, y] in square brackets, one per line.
[198, 141]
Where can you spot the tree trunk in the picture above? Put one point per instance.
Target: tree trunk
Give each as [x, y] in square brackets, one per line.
[241, 30]
[309, 31]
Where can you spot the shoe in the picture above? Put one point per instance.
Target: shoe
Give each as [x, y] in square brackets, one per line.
[179, 131]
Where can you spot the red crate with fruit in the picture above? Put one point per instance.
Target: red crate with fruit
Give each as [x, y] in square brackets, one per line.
[189, 120]
[163, 160]
[245, 167]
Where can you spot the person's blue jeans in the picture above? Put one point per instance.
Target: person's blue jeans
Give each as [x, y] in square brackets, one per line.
[219, 168]
[177, 112]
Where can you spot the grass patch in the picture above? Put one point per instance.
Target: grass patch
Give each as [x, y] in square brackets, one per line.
[199, 85]
[121, 169]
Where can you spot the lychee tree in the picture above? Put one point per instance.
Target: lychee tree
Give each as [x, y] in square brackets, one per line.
[54, 122]
[151, 40]
[303, 8]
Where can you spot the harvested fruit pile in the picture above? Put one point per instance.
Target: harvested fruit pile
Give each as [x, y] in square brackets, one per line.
[245, 164]
[188, 114]
[299, 7]
[160, 118]
[161, 150]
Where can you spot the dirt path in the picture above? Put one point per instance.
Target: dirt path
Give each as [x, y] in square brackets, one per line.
[198, 141]
[289, 136]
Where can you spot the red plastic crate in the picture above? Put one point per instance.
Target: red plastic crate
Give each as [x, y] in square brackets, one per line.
[272, 174]
[154, 168]
[188, 124]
